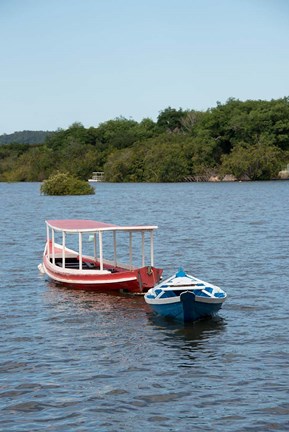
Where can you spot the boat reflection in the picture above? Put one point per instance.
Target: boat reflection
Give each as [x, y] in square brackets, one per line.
[99, 302]
[130, 313]
[191, 333]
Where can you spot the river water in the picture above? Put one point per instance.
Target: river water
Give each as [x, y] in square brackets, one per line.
[78, 361]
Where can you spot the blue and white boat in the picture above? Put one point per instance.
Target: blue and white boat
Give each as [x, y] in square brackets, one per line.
[185, 298]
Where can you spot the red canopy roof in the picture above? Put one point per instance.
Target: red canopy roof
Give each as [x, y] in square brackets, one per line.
[90, 225]
[78, 224]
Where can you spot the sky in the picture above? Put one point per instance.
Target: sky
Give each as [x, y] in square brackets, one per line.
[90, 61]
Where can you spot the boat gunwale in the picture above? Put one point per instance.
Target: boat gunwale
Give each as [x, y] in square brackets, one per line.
[177, 299]
[85, 278]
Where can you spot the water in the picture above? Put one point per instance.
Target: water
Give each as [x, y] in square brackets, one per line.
[77, 361]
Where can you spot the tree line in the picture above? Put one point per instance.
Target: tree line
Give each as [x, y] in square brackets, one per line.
[25, 137]
[248, 139]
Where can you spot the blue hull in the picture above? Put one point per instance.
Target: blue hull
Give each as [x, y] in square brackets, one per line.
[187, 310]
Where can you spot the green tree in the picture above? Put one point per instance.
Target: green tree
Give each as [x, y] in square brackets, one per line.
[258, 162]
[119, 167]
[33, 165]
[241, 137]
[118, 133]
[170, 119]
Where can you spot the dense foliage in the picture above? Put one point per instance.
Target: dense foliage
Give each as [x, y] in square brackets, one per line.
[65, 184]
[246, 139]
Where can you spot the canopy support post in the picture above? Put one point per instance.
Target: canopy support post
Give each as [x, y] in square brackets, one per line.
[63, 249]
[94, 245]
[114, 248]
[142, 249]
[80, 250]
[152, 248]
[100, 250]
[53, 251]
[48, 242]
[130, 250]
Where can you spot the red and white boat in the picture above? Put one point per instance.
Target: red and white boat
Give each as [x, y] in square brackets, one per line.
[71, 266]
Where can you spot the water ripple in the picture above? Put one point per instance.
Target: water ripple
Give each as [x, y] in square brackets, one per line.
[78, 361]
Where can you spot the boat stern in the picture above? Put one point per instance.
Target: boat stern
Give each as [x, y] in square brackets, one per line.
[148, 277]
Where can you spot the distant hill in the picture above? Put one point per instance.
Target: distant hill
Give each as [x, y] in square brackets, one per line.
[25, 137]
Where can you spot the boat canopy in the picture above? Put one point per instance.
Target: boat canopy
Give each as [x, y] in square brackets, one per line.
[85, 225]
[96, 229]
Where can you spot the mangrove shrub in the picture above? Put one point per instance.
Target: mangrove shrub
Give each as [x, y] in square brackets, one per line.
[65, 184]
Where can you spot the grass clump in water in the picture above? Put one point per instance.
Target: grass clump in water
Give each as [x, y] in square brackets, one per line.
[63, 183]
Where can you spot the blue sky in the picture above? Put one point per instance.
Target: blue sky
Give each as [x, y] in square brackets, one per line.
[89, 61]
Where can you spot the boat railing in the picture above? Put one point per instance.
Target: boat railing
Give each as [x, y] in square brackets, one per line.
[60, 250]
